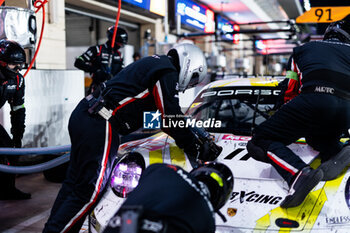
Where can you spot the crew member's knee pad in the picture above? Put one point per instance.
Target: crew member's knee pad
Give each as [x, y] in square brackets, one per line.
[257, 152]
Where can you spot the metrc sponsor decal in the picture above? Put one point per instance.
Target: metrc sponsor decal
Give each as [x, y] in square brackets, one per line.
[255, 197]
[324, 90]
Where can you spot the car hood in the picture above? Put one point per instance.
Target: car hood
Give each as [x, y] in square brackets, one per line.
[258, 189]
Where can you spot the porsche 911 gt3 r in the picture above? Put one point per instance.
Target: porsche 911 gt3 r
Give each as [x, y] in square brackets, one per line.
[240, 104]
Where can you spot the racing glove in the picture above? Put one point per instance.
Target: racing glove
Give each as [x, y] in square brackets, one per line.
[204, 151]
[209, 151]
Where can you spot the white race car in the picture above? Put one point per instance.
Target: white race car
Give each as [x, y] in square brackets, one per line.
[240, 104]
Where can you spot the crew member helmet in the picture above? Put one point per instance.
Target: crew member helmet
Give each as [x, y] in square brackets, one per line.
[121, 36]
[338, 30]
[192, 64]
[11, 52]
[219, 180]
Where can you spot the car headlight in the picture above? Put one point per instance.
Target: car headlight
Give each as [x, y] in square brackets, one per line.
[126, 174]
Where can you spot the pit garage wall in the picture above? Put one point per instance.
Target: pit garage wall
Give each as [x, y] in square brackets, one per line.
[50, 97]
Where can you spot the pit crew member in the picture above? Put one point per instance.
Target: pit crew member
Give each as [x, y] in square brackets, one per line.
[170, 200]
[101, 61]
[149, 84]
[12, 58]
[317, 107]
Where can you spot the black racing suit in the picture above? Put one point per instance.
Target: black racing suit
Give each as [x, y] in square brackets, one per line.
[146, 85]
[11, 90]
[317, 106]
[169, 194]
[101, 62]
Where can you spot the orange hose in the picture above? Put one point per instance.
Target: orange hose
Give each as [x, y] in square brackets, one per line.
[38, 4]
[116, 23]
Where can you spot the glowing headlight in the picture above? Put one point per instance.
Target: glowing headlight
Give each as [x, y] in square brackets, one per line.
[126, 174]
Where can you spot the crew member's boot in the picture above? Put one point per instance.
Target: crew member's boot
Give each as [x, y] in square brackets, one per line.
[8, 190]
[14, 194]
[305, 180]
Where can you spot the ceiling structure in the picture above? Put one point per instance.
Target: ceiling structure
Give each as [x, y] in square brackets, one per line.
[248, 11]
[244, 11]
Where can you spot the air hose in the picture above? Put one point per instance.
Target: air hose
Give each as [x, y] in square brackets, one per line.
[35, 151]
[35, 168]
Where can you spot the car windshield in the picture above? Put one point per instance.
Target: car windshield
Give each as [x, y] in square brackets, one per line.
[238, 108]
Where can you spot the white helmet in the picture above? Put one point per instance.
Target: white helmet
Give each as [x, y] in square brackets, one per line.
[193, 67]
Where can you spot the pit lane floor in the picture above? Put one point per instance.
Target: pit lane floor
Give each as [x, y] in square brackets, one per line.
[29, 216]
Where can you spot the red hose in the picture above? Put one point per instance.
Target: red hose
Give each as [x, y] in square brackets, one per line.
[38, 4]
[116, 23]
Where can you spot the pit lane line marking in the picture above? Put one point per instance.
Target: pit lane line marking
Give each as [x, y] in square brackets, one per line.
[20, 227]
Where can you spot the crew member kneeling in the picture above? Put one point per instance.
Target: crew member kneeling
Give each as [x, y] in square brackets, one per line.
[170, 200]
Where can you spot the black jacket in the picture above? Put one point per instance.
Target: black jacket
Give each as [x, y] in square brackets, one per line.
[146, 85]
[98, 61]
[12, 90]
[317, 63]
